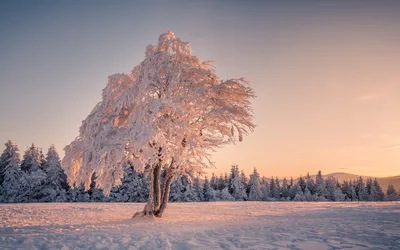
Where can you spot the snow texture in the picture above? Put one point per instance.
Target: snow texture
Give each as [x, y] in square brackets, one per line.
[217, 225]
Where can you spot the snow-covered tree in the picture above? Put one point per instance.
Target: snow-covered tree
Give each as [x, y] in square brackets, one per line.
[56, 184]
[5, 158]
[292, 189]
[274, 187]
[330, 184]
[176, 194]
[255, 193]
[391, 193]
[221, 183]
[245, 182]
[198, 189]
[32, 187]
[237, 187]
[95, 193]
[172, 110]
[360, 189]
[32, 160]
[214, 182]
[302, 183]
[265, 189]
[299, 194]
[310, 184]
[11, 172]
[133, 187]
[224, 195]
[379, 194]
[208, 193]
[320, 187]
[81, 194]
[285, 189]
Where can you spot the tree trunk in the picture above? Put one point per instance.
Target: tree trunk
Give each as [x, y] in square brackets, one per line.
[149, 207]
[156, 182]
[165, 195]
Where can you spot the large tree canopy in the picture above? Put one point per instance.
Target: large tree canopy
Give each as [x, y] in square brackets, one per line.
[172, 110]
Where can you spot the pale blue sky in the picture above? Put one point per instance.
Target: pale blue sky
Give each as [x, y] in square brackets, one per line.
[326, 74]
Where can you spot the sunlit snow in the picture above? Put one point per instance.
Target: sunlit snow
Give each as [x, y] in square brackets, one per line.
[212, 225]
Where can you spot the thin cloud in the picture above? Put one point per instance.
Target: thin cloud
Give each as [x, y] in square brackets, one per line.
[391, 146]
[368, 97]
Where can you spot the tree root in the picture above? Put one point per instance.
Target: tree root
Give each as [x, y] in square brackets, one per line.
[143, 214]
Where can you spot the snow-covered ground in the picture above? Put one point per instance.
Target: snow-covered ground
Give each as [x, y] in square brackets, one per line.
[208, 225]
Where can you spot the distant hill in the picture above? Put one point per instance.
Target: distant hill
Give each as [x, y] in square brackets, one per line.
[384, 181]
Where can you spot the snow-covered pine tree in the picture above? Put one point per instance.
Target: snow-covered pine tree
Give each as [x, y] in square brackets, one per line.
[224, 195]
[278, 188]
[176, 194]
[56, 184]
[275, 192]
[237, 187]
[226, 181]
[320, 187]
[31, 160]
[391, 193]
[354, 196]
[293, 189]
[5, 158]
[310, 184]
[330, 184]
[245, 182]
[302, 184]
[81, 194]
[198, 189]
[308, 196]
[361, 192]
[221, 183]
[265, 190]
[207, 190]
[11, 172]
[133, 187]
[299, 194]
[255, 193]
[42, 159]
[379, 194]
[285, 189]
[33, 183]
[96, 194]
[172, 110]
[346, 190]
[214, 182]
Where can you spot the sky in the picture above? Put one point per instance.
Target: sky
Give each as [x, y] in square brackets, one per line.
[326, 74]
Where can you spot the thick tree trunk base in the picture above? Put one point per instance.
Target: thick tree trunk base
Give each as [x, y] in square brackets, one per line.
[143, 214]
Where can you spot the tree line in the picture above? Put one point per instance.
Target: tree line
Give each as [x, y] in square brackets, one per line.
[40, 178]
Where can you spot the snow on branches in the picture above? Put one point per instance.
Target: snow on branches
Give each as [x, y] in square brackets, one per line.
[171, 110]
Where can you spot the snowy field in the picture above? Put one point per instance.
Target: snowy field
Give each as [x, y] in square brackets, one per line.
[208, 225]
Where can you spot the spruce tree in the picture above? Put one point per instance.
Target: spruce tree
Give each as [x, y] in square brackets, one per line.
[255, 193]
[11, 172]
[207, 190]
[96, 194]
[221, 183]
[379, 194]
[5, 158]
[176, 194]
[31, 160]
[391, 193]
[198, 190]
[361, 192]
[285, 189]
[310, 184]
[56, 184]
[213, 182]
[237, 187]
